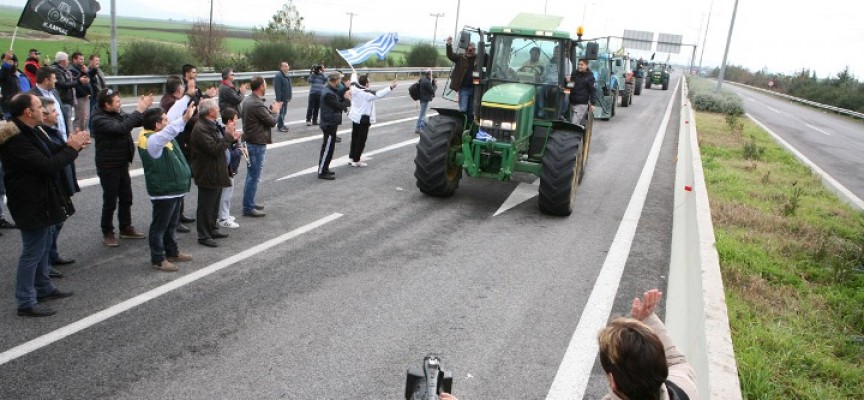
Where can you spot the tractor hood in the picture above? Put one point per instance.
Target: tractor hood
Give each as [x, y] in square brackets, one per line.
[509, 95]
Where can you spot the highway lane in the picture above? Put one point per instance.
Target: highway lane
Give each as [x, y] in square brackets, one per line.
[833, 142]
[346, 308]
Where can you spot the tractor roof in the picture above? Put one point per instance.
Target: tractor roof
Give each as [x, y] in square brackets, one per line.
[526, 24]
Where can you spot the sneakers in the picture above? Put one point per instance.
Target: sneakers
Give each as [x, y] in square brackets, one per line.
[259, 207]
[283, 129]
[308, 123]
[4, 224]
[129, 232]
[254, 213]
[227, 223]
[329, 175]
[109, 240]
[183, 229]
[358, 164]
[166, 266]
[181, 257]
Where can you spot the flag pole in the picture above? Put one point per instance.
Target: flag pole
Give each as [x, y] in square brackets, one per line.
[14, 33]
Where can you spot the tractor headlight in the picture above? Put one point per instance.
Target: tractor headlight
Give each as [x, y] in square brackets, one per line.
[508, 126]
[487, 123]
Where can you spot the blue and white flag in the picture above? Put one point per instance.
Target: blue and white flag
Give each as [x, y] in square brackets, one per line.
[379, 46]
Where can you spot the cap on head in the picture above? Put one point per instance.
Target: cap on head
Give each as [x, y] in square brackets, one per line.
[61, 56]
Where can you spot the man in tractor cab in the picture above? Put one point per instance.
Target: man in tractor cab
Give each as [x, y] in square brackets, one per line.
[533, 64]
[550, 74]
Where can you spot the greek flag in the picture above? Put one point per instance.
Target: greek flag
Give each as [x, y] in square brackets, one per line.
[380, 46]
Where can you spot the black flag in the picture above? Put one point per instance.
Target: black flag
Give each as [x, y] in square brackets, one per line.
[59, 17]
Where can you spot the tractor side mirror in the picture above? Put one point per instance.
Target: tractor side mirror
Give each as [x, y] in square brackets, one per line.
[618, 62]
[464, 39]
[592, 50]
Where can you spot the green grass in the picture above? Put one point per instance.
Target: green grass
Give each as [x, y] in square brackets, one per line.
[796, 306]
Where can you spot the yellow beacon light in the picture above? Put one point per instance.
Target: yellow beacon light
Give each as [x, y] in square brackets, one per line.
[580, 31]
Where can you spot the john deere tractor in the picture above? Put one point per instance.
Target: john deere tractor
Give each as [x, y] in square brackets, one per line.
[657, 75]
[521, 119]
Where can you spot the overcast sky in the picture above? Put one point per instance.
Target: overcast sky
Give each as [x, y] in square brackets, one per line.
[782, 36]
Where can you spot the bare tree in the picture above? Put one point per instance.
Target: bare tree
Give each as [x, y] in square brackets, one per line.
[205, 40]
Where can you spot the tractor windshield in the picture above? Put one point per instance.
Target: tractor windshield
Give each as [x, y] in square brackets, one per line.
[527, 60]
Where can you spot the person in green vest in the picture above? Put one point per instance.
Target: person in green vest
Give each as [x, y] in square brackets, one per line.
[168, 178]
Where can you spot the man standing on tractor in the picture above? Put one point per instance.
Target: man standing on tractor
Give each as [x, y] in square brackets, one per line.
[583, 95]
[462, 77]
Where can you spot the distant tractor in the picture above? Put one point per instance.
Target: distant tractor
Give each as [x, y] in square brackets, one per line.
[658, 75]
[518, 124]
[639, 75]
[607, 86]
[624, 76]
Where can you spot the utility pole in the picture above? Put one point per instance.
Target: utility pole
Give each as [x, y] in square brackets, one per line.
[210, 32]
[113, 38]
[726, 52]
[435, 34]
[351, 16]
[458, 7]
[705, 38]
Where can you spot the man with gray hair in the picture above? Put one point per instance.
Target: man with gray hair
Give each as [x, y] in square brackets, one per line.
[66, 84]
[208, 142]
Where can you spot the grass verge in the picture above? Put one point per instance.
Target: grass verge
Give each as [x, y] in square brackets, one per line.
[789, 250]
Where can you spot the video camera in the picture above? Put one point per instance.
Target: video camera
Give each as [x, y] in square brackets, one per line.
[427, 382]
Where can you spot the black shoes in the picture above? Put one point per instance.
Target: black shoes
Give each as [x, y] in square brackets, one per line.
[63, 261]
[254, 213]
[283, 129]
[183, 229]
[53, 273]
[337, 140]
[208, 242]
[56, 294]
[184, 219]
[4, 224]
[329, 175]
[37, 310]
[259, 207]
[219, 235]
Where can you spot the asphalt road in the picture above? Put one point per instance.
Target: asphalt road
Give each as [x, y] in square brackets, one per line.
[341, 309]
[834, 143]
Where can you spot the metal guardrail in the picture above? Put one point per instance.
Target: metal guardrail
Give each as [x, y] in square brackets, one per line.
[135, 80]
[837, 110]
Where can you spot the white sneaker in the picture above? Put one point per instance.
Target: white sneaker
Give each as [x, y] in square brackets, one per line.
[358, 164]
[227, 223]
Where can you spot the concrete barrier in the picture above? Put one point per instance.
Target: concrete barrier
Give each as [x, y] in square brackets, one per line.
[696, 313]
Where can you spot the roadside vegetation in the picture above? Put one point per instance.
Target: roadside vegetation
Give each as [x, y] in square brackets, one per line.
[790, 254]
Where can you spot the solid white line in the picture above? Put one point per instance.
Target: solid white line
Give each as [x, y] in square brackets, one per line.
[829, 181]
[575, 369]
[817, 129]
[342, 161]
[75, 327]
[775, 110]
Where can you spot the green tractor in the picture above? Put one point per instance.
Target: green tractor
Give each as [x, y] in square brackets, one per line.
[624, 77]
[522, 120]
[658, 74]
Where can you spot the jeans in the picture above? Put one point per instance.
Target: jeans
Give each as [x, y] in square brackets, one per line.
[53, 254]
[208, 208]
[327, 146]
[32, 279]
[314, 107]
[225, 201]
[2, 190]
[466, 102]
[116, 184]
[253, 175]
[359, 134]
[421, 119]
[163, 228]
[68, 113]
[280, 123]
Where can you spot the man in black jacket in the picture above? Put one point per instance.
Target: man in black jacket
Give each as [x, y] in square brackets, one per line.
[427, 92]
[83, 91]
[583, 94]
[36, 201]
[332, 107]
[115, 150]
[66, 84]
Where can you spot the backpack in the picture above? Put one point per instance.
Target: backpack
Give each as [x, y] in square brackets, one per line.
[675, 392]
[414, 91]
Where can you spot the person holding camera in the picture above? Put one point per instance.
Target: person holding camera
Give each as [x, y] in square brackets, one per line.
[362, 115]
[317, 81]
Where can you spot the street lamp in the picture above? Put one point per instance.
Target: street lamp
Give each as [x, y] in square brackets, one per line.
[726, 52]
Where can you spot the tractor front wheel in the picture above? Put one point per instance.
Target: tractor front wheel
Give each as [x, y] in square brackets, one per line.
[666, 84]
[638, 88]
[561, 173]
[435, 163]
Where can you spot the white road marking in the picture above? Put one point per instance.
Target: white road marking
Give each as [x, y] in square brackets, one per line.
[817, 129]
[775, 110]
[343, 161]
[575, 369]
[522, 193]
[75, 327]
[835, 186]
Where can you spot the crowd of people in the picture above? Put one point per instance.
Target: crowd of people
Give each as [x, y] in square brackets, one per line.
[52, 112]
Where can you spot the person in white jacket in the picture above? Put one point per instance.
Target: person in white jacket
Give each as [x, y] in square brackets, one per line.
[362, 115]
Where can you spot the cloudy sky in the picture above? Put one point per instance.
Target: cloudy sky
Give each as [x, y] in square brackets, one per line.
[782, 36]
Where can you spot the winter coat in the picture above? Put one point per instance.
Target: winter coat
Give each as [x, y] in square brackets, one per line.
[97, 80]
[112, 133]
[363, 103]
[9, 84]
[81, 90]
[332, 107]
[66, 83]
[32, 165]
[282, 85]
[317, 82]
[208, 143]
[229, 96]
[30, 67]
[463, 71]
[258, 121]
[583, 91]
[427, 89]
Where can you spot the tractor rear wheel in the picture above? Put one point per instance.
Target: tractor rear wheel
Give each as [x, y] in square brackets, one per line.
[625, 99]
[561, 173]
[637, 90]
[647, 83]
[435, 165]
[614, 103]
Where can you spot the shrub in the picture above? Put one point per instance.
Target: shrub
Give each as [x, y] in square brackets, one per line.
[236, 62]
[266, 56]
[703, 98]
[150, 58]
[422, 55]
